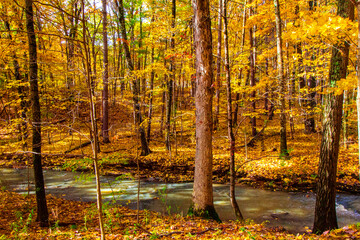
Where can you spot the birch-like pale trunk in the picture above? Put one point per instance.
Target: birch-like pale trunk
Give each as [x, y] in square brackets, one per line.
[281, 79]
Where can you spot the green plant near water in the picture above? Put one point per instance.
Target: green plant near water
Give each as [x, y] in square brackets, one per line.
[163, 196]
[243, 229]
[78, 164]
[22, 225]
[109, 217]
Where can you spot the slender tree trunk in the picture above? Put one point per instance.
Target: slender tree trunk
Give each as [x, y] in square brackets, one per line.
[237, 95]
[218, 69]
[229, 118]
[151, 95]
[42, 211]
[170, 83]
[358, 79]
[310, 105]
[252, 74]
[203, 204]
[94, 139]
[163, 99]
[282, 82]
[325, 211]
[23, 132]
[145, 150]
[105, 99]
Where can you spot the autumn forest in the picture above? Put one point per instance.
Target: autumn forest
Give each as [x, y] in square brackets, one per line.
[179, 119]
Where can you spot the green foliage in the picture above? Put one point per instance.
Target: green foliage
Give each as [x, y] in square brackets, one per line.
[21, 225]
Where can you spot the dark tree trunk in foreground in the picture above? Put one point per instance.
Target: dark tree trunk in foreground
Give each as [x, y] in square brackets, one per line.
[325, 212]
[145, 150]
[42, 211]
[203, 192]
[231, 135]
[282, 82]
[105, 99]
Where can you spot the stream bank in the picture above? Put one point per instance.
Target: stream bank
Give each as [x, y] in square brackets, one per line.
[290, 210]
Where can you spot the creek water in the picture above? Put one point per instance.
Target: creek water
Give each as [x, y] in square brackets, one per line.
[293, 211]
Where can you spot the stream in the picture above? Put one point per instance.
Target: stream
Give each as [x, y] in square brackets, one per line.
[293, 211]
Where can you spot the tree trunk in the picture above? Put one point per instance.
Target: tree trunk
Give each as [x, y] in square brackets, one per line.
[325, 212]
[42, 211]
[23, 132]
[170, 83]
[252, 74]
[105, 99]
[94, 139]
[282, 82]
[203, 193]
[145, 150]
[151, 95]
[218, 69]
[229, 118]
[237, 95]
[358, 80]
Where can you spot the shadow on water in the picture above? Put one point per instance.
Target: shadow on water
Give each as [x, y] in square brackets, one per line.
[293, 211]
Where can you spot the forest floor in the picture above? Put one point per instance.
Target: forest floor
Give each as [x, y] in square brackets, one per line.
[258, 165]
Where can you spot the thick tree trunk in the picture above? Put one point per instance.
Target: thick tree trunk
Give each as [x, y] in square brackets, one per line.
[203, 193]
[42, 211]
[105, 97]
[325, 212]
[282, 82]
[145, 150]
[231, 135]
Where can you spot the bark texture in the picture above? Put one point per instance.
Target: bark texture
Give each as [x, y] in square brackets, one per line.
[325, 212]
[42, 211]
[203, 193]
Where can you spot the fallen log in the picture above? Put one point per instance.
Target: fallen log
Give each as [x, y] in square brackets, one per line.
[257, 136]
[78, 147]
